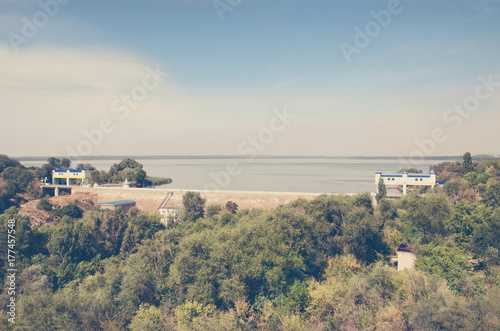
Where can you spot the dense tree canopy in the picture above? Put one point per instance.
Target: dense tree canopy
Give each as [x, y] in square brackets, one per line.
[321, 264]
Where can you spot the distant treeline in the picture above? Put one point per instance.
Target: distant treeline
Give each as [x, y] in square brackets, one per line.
[190, 157]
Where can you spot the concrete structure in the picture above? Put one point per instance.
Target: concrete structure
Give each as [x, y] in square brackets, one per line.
[405, 179]
[126, 184]
[55, 190]
[169, 214]
[69, 177]
[406, 256]
[125, 204]
[149, 199]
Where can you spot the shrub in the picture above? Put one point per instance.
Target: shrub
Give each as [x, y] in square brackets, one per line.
[44, 204]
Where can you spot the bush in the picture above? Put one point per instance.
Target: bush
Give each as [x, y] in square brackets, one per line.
[44, 204]
[213, 209]
[70, 210]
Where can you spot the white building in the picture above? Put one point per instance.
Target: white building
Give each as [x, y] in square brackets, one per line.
[169, 214]
[405, 179]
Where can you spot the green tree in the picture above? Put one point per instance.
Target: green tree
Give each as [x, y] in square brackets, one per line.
[425, 219]
[70, 210]
[6, 162]
[467, 165]
[486, 238]
[147, 318]
[447, 262]
[410, 170]
[72, 241]
[56, 163]
[471, 176]
[382, 190]
[128, 169]
[213, 209]
[465, 219]
[232, 207]
[491, 194]
[190, 310]
[193, 206]
[44, 173]
[82, 166]
[20, 176]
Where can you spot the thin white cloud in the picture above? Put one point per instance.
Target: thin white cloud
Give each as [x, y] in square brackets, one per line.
[49, 96]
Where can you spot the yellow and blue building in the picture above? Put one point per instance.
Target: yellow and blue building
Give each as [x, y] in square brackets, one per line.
[70, 177]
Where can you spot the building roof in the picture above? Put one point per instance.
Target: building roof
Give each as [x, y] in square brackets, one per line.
[389, 174]
[70, 170]
[393, 174]
[117, 203]
[407, 247]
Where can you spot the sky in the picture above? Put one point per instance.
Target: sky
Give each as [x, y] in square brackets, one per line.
[249, 77]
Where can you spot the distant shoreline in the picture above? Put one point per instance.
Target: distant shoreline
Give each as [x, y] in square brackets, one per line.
[482, 157]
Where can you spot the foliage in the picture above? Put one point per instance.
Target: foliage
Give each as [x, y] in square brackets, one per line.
[147, 318]
[187, 312]
[465, 219]
[467, 165]
[447, 171]
[425, 219]
[471, 176]
[88, 166]
[18, 175]
[410, 170]
[156, 181]
[128, 169]
[381, 190]
[6, 162]
[70, 210]
[212, 210]
[193, 206]
[56, 163]
[446, 262]
[491, 194]
[232, 207]
[485, 241]
[44, 204]
[309, 265]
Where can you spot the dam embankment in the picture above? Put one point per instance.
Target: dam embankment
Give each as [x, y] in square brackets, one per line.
[149, 199]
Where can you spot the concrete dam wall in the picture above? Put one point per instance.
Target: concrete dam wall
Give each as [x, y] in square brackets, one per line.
[149, 200]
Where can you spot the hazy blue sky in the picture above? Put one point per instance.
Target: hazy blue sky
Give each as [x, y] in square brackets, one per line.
[66, 68]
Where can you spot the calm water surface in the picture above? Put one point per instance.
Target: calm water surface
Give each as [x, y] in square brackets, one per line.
[316, 175]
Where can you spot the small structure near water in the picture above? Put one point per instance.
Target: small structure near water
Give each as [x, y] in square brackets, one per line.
[406, 179]
[124, 204]
[169, 214]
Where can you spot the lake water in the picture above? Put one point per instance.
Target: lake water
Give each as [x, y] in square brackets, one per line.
[274, 174]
